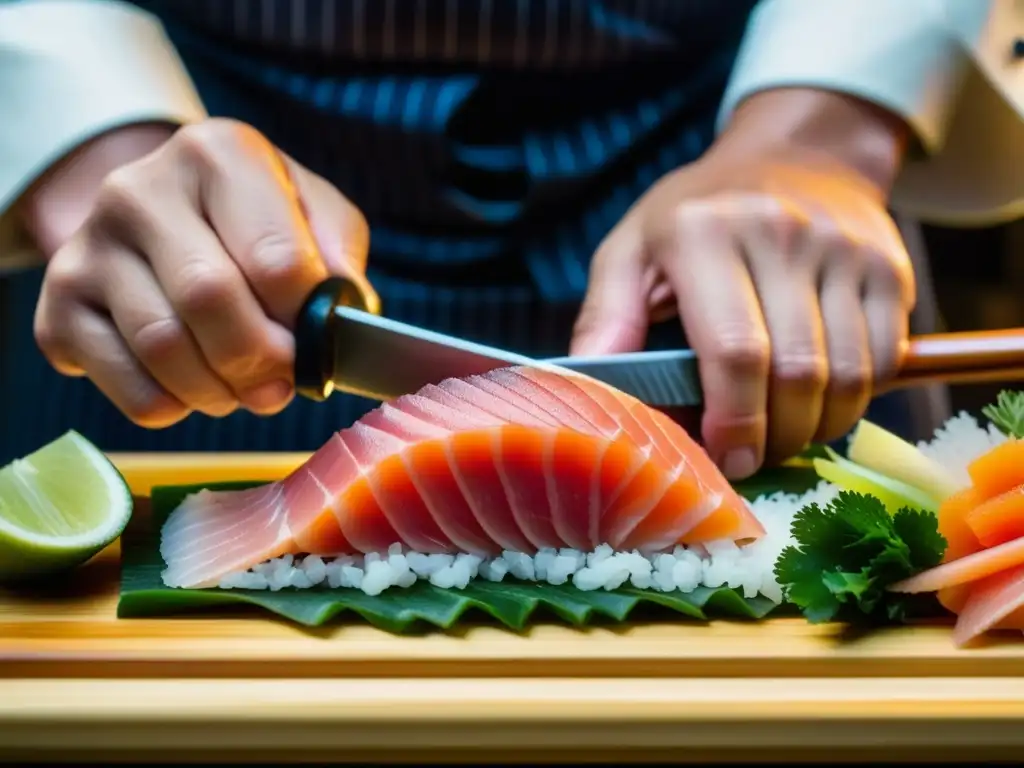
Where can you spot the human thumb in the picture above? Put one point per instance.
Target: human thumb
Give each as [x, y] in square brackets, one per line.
[614, 315]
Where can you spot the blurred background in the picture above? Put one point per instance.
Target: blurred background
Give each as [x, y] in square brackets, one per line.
[979, 281]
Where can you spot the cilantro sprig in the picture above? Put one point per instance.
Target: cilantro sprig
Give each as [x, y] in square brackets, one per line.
[849, 552]
[1007, 413]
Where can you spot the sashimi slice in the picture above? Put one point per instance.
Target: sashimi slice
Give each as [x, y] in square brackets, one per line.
[618, 410]
[732, 518]
[999, 470]
[965, 570]
[517, 459]
[577, 486]
[357, 509]
[683, 507]
[524, 460]
[990, 604]
[541, 397]
[499, 393]
[999, 519]
[212, 534]
[471, 456]
[429, 471]
[670, 454]
[398, 498]
[434, 394]
[498, 405]
[568, 391]
[453, 419]
[960, 539]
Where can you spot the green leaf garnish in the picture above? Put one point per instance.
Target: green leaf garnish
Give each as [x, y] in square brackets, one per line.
[849, 552]
[1007, 413]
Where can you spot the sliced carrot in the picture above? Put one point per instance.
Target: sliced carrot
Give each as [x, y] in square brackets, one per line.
[998, 471]
[998, 520]
[961, 540]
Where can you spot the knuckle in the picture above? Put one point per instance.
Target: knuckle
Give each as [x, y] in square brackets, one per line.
[247, 364]
[801, 368]
[158, 339]
[204, 288]
[784, 226]
[699, 215]
[64, 277]
[241, 366]
[743, 354]
[276, 259]
[849, 376]
[121, 193]
[206, 144]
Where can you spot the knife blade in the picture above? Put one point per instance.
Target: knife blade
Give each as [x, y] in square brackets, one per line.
[342, 343]
[340, 346]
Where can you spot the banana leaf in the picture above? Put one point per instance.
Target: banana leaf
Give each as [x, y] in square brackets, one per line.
[511, 603]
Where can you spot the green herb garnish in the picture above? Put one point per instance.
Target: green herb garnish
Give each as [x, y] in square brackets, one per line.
[850, 551]
[1007, 413]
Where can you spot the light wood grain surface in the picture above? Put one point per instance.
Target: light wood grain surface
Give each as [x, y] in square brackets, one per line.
[76, 680]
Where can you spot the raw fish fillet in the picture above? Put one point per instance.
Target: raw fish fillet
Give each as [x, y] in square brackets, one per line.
[967, 569]
[517, 459]
[995, 603]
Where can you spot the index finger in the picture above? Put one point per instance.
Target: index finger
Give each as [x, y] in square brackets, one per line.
[722, 318]
[254, 207]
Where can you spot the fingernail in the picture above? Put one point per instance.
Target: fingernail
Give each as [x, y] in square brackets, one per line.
[267, 397]
[739, 463]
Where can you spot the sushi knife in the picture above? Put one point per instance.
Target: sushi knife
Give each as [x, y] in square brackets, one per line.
[343, 343]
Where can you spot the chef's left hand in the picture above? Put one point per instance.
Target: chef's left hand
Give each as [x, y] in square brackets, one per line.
[791, 280]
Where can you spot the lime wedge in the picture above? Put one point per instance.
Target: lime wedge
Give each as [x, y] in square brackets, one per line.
[59, 506]
[893, 494]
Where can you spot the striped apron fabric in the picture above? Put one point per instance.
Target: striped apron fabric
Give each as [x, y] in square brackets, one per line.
[491, 144]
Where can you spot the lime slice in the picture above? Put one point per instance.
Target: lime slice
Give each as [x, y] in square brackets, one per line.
[59, 506]
[890, 455]
[893, 494]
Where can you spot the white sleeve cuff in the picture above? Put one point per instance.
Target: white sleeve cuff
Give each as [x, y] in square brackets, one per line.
[899, 54]
[71, 70]
[945, 66]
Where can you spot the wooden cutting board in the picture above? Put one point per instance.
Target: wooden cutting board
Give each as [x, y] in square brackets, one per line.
[75, 680]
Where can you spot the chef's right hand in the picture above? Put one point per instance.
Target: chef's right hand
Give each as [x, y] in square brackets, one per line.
[178, 292]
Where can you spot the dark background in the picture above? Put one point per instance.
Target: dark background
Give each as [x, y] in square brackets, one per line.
[979, 282]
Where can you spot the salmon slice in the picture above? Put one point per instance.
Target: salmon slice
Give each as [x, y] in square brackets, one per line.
[998, 471]
[996, 602]
[212, 534]
[967, 569]
[518, 459]
[732, 518]
[999, 519]
[572, 396]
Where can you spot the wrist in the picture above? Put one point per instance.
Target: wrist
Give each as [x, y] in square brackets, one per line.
[845, 129]
[59, 201]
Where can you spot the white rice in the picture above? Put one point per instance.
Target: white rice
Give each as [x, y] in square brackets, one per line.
[749, 569]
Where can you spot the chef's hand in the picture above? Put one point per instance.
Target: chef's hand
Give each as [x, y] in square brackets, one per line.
[174, 290]
[791, 280]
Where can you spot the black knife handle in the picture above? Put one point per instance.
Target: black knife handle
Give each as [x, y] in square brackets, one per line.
[315, 343]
